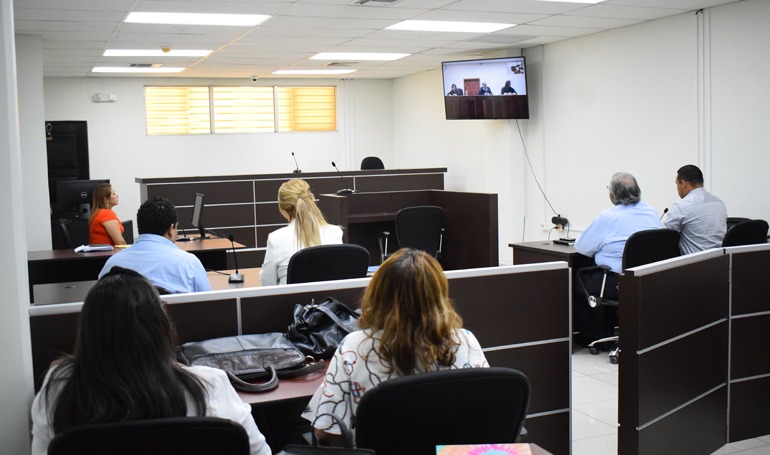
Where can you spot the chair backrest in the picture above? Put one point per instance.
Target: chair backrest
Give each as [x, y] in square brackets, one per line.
[420, 228]
[180, 435]
[372, 162]
[73, 232]
[749, 232]
[328, 262]
[651, 245]
[128, 231]
[733, 220]
[413, 414]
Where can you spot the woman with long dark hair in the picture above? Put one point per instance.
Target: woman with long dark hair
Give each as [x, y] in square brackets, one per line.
[124, 368]
[409, 326]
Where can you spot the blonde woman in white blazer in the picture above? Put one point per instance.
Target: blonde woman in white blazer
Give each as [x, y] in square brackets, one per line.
[307, 227]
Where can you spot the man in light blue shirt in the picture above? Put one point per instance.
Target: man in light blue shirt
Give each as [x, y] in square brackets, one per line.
[155, 254]
[604, 240]
[699, 216]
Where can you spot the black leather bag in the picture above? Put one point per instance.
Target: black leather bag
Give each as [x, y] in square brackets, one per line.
[251, 357]
[319, 327]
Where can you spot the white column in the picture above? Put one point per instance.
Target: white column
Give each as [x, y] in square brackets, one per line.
[16, 372]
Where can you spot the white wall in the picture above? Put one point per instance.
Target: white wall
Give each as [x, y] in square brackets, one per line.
[15, 356]
[121, 150]
[624, 100]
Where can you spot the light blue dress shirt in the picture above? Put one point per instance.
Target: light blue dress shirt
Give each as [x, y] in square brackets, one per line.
[163, 263]
[605, 238]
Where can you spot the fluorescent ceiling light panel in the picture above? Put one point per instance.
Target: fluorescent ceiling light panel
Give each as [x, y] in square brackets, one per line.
[156, 53]
[449, 26]
[312, 72]
[125, 69]
[357, 56]
[240, 20]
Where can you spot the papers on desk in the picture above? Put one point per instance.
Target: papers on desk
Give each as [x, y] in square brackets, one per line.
[93, 247]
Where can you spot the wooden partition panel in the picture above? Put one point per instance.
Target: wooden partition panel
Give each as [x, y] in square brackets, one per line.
[673, 341]
[749, 356]
[470, 237]
[246, 205]
[520, 314]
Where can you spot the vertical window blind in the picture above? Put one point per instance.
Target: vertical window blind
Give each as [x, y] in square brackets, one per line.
[221, 110]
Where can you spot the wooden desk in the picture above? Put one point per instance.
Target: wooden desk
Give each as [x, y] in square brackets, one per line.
[67, 266]
[288, 389]
[76, 291]
[470, 222]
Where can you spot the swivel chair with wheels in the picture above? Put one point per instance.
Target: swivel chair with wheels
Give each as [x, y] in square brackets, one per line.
[420, 227]
[170, 436]
[327, 262]
[413, 414]
[642, 247]
[750, 232]
[372, 162]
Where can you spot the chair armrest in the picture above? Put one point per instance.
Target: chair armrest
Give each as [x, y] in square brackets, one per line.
[581, 273]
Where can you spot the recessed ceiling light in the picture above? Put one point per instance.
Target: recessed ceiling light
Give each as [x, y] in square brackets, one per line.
[312, 72]
[357, 56]
[449, 26]
[156, 53]
[241, 20]
[125, 69]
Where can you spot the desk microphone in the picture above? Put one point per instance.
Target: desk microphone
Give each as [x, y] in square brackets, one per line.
[296, 171]
[345, 189]
[234, 277]
[664, 213]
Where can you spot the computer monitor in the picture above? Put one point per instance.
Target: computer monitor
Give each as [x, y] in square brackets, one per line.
[74, 197]
[197, 217]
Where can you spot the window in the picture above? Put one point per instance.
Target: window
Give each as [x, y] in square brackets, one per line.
[206, 110]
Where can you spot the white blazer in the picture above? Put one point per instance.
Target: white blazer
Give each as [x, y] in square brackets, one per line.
[282, 244]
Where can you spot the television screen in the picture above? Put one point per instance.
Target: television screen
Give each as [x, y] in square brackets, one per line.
[493, 88]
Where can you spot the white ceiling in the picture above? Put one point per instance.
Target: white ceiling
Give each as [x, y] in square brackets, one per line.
[75, 33]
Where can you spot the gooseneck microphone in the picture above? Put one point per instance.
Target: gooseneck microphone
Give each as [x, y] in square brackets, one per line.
[234, 277]
[296, 171]
[346, 189]
[664, 213]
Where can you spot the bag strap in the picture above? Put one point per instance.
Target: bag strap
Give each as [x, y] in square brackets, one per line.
[244, 386]
[311, 365]
[332, 315]
[345, 432]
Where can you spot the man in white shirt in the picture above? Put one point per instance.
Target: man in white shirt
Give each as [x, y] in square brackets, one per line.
[699, 216]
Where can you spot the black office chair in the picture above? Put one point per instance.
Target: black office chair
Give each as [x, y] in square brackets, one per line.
[749, 232]
[372, 162]
[171, 436]
[73, 232]
[420, 227]
[328, 262]
[733, 220]
[413, 414]
[128, 231]
[642, 247]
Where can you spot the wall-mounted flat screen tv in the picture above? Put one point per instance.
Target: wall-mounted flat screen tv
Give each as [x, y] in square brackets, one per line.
[494, 88]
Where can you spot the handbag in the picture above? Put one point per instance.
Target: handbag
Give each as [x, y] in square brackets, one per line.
[315, 449]
[318, 328]
[251, 357]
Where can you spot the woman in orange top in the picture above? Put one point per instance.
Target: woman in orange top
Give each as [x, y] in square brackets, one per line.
[104, 225]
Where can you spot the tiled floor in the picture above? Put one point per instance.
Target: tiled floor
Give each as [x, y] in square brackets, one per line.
[595, 410]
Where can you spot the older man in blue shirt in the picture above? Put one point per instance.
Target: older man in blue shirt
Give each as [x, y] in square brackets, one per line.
[700, 216]
[604, 240]
[155, 254]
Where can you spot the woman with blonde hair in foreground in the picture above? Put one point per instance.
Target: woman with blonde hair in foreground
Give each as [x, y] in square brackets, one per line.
[408, 326]
[307, 227]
